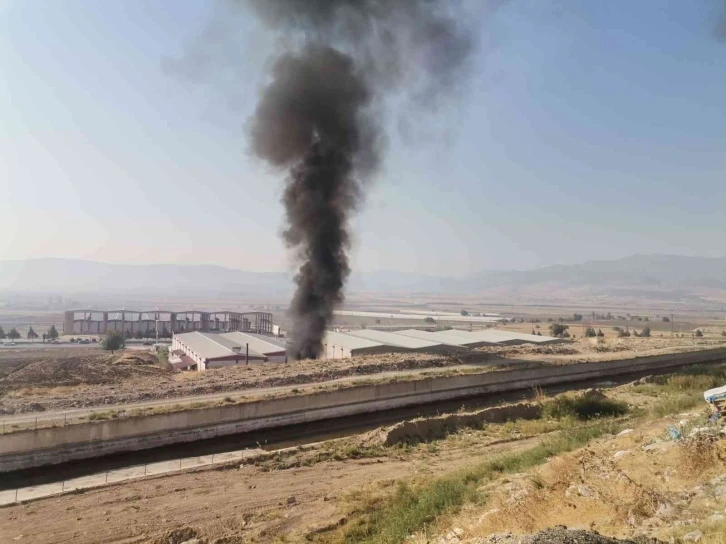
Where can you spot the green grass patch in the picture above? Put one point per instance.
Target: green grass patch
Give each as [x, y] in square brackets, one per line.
[100, 416]
[583, 407]
[413, 508]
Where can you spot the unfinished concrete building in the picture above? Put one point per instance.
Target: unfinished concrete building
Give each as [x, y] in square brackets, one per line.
[148, 322]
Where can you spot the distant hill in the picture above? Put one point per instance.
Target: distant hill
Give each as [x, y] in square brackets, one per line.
[667, 271]
[78, 276]
[637, 275]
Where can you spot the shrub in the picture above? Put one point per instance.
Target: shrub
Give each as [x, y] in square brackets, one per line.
[600, 334]
[645, 333]
[557, 329]
[666, 319]
[114, 340]
[590, 332]
[583, 407]
[699, 333]
[577, 317]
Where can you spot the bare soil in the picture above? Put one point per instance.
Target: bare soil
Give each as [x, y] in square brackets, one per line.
[50, 379]
[242, 504]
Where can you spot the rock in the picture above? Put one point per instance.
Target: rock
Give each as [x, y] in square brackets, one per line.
[693, 536]
[580, 491]
[624, 432]
[719, 491]
[192, 541]
[291, 500]
[717, 518]
[719, 480]
[659, 446]
[620, 454]
[683, 422]
[458, 531]
[699, 430]
[665, 511]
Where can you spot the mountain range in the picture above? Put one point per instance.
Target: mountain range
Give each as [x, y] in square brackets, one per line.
[634, 274]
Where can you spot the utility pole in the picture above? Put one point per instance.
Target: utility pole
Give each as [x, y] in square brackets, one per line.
[672, 317]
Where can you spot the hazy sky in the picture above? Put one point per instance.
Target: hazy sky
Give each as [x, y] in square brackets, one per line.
[591, 130]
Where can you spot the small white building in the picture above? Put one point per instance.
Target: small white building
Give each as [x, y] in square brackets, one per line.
[274, 349]
[200, 351]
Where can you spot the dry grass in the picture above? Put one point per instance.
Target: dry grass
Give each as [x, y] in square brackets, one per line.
[700, 453]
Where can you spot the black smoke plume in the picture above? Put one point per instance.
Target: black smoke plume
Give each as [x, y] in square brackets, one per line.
[320, 118]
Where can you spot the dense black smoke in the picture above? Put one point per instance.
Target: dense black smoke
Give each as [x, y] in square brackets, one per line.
[318, 117]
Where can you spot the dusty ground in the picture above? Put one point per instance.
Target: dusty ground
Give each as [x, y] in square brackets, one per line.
[41, 381]
[635, 483]
[255, 502]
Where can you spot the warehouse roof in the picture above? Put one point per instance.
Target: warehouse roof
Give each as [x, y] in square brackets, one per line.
[509, 336]
[433, 337]
[394, 339]
[259, 343]
[348, 341]
[467, 339]
[213, 346]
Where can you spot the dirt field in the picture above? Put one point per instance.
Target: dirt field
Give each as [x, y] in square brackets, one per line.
[43, 381]
[638, 482]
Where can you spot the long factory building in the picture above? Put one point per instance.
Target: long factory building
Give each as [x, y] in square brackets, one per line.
[167, 322]
[202, 350]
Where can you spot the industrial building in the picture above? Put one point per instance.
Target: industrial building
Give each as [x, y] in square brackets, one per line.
[274, 349]
[407, 343]
[338, 345]
[451, 341]
[511, 338]
[200, 351]
[149, 322]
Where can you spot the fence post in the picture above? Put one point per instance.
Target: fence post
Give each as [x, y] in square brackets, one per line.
[65, 419]
[16, 494]
[180, 463]
[63, 485]
[212, 458]
[36, 423]
[106, 477]
[144, 470]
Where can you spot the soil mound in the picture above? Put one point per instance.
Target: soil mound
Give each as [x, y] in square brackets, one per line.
[94, 369]
[560, 535]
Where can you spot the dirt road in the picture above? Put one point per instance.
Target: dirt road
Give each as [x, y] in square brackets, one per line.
[256, 501]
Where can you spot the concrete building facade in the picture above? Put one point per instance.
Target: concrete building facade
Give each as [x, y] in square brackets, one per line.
[168, 323]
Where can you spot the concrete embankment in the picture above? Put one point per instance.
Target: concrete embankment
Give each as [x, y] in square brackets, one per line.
[26, 449]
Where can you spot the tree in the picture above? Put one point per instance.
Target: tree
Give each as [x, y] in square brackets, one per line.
[139, 334]
[114, 340]
[645, 333]
[699, 333]
[53, 333]
[600, 334]
[464, 312]
[623, 333]
[32, 335]
[577, 317]
[13, 334]
[723, 333]
[558, 329]
[666, 319]
[590, 332]
[2, 334]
